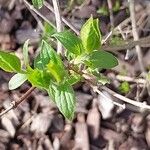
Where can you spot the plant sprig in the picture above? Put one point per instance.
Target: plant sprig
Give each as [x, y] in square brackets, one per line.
[49, 72]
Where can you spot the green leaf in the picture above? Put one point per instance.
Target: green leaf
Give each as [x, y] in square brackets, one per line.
[100, 77]
[103, 10]
[25, 53]
[102, 60]
[116, 7]
[48, 59]
[115, 40]
[124, 87]
[74, 78]
[63, 96]
[70, 41]
[39, 78]
[17, 80]
[9, 62]
[37, 3]
[48, 30]
[47, 54]
[90, 35]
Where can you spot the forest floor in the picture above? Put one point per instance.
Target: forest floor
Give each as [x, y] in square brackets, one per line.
[101, 122]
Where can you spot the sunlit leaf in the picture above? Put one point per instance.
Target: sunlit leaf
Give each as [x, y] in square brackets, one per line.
[70, 41]
[90, 35]
[17, 80]
[9, 62]
[63, 96]
[101, 59]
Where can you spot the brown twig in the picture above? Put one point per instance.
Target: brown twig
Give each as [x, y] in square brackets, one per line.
[95, 88]
[131, 79]
[63, 19]
[37, 12]
[143, 42]
[110, 7]
[14, 103]
[141, 105]
[135, 34]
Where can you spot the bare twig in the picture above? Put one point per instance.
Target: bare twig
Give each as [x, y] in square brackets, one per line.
[95, 89]
[14, 104]
[143, 42]
[135, 34]
[38, 13]
[36, 18]
[143, 105]
[110, 7]
[130, 79]
[58, 24]
[63, 19]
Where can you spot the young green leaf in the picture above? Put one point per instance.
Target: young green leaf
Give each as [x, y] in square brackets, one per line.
[25, 53]
[101, 59]
[39, 78]
[70, 41]
[48, 30]
[47, 54]
[37, 3]
[9, 62]
[90, 35]
[17, 80]
[124, 87]
[48, 59]
[63, 96]
[74, 78]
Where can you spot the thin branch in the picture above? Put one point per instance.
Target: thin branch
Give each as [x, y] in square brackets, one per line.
[14, 104]
[110, 7]
[143, 105]
[63, 19]
[143, 42]
[95, 89]
[36, 18]
[38, 13]
[130, 79]
[58, 24]
[135, 34]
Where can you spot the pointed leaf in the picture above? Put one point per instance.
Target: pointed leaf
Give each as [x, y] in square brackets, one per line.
[101, 59]
[17, 80]
[70, 41]
[48, 30]
[37, 3]
[39, 78]
[9, 62]
[63, 96]
[90, 35]
[48, 59]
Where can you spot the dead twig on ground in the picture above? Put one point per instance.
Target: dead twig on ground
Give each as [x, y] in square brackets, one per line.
[110, 7]
[135, 34]
[130, 79]
[15, 103]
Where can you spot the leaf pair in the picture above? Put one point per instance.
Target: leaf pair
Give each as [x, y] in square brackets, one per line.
[89, 40]
[60, 91]
[85, 47]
